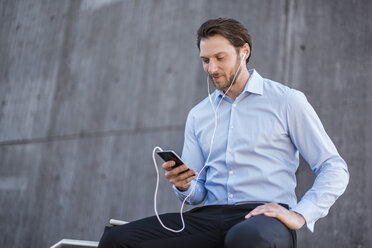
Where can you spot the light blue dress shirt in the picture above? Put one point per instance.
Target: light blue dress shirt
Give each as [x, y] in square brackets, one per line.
[256, 150]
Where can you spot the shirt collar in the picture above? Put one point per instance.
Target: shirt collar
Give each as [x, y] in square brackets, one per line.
[254, 85]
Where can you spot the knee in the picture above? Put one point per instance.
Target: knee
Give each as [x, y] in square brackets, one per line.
[247, 236]
[107, 239]
[111, 239]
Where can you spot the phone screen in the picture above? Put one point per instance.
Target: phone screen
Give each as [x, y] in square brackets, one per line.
[168, 155]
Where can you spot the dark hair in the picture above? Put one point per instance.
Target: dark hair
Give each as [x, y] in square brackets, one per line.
[229, 28]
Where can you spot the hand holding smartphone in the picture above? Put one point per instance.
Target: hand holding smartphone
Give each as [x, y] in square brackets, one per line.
[169, 155]
[180, 179]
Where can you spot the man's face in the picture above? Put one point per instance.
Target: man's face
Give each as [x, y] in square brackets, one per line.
[220, 60]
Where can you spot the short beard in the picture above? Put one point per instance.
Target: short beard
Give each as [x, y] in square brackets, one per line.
[230, 79]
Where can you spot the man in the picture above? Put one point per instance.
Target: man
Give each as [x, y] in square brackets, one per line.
[251, 158]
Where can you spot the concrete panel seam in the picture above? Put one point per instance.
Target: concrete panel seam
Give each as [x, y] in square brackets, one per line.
[91, 135]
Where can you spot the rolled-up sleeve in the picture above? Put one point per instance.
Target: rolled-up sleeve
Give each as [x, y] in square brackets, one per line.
[332, 176]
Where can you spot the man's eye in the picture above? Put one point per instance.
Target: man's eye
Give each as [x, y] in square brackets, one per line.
[206, 61]
[220, 58]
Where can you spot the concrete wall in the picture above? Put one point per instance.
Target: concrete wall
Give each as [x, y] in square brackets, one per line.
[88, 88]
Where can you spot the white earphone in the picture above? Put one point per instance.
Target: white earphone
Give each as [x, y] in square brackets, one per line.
[215, 109]
[243, 55]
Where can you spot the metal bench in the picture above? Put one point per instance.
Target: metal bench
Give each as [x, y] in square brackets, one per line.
[85, 243]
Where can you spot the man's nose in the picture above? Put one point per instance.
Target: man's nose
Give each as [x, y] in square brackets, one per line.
[212, 67]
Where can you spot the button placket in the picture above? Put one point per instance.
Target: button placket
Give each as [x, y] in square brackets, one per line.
[230, 154]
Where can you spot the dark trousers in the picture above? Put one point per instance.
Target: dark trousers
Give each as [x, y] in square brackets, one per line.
[209, 226]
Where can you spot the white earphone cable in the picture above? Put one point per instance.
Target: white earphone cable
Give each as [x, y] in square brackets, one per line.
[205, 164]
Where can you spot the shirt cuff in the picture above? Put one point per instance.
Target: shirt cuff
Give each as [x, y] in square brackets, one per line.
[309, 211]
[183, 194]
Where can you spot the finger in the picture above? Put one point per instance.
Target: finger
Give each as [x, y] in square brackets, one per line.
[171, 171]
[168, 165]
[252, 214]
[274, 205]
[185, 182]
[191, 178]
[183, 178]
[185, 175]
[180, 169]
[169, 175]
[175, 175]
[268, 210]
[272, 210]
[257, 211]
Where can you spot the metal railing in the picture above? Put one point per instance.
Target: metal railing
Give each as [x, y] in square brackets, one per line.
[85, 243]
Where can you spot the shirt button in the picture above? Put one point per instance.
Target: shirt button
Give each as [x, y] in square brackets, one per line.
[231, 172]
[234, 105]
[231, 126]
[229, 150]
[230, 196]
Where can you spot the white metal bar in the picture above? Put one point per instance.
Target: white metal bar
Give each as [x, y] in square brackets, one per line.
[86, 243]
[76, 242]
[117, 222]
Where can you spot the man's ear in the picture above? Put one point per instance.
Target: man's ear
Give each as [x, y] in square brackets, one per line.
[245, 49]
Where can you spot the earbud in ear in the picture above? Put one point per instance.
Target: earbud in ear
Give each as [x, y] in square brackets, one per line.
[243, 55]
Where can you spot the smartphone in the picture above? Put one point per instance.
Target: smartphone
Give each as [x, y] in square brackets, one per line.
[168, 155]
